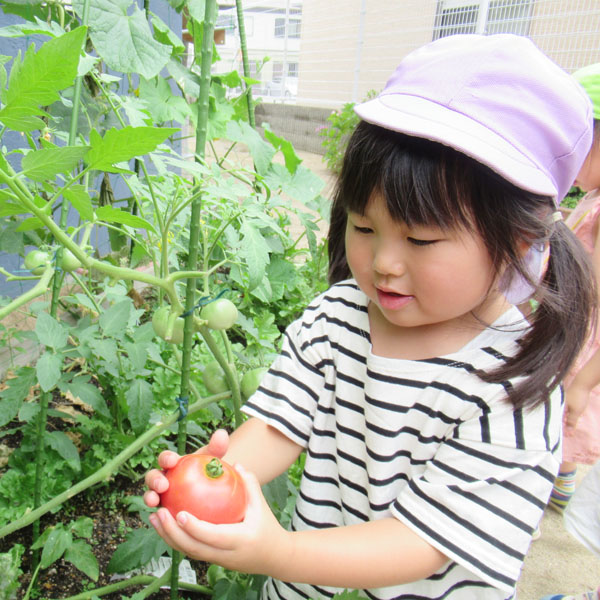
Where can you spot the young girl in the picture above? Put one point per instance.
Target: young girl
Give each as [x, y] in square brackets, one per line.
[427, 406]
[582, 385]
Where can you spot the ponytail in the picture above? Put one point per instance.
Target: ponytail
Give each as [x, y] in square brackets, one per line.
[560, 324]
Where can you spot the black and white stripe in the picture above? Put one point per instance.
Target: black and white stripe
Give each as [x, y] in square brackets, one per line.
[426, 442]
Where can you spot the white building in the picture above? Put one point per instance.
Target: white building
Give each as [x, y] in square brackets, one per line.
[273, 30]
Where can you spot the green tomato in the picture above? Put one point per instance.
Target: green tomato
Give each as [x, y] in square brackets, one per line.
[214, 378]
[36, 261]
[160, 321]
[220, 314]
[69, 261]
[251, 380]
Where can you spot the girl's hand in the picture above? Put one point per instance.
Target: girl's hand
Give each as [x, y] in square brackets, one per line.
[577, 399]
[256, 545]
[156, 480]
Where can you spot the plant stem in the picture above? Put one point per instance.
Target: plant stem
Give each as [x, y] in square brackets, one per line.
[245, 65]
[56, 286]
[205, 50]
[105, 472]
[137, 580]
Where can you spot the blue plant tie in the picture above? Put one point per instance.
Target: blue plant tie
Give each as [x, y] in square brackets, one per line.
[182, 401]
[203, 302]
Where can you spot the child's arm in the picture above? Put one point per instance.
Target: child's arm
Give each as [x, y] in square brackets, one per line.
[373, 554]
[578, 392]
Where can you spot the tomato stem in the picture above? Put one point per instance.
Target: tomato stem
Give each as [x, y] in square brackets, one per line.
[214, 469]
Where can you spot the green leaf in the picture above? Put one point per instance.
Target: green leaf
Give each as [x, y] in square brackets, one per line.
[292, 160]
[78, 196]
[137, 355]
[25, 29]
[164, 35]
[162, 103]
[138, 549]
[36, 80]
[80, 555]
[30, 224]
[255, 252]
[48, 162]
[11, 398]
[62, 444]
[139, 398]
[110, 214]
[114, 320]
[56, 544]
[83, 527]
[47, 370]
[120, 145]
[135, 51]
[88, 393]
[50, 332]
[196, 10]
[262, 152]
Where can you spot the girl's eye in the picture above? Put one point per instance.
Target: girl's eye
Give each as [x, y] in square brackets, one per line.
[418, 242]
[362, 229]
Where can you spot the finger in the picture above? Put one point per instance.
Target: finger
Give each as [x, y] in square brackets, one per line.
[151, 499]
[218, 444]
[216, 536]
[168, 459]
[178, 538]
[256, 500]
[156, 481]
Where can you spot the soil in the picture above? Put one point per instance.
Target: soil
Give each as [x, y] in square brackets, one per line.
[112, 521]
[62, 580]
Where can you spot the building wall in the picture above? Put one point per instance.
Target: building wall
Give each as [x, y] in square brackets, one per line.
[350, 47]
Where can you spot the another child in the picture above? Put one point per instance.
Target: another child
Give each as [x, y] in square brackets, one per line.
[429, 409]
[582, 417]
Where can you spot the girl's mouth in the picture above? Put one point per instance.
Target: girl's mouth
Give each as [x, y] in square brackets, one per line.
[392, 300]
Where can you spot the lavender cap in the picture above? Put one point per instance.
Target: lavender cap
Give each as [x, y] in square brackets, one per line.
[497, 99]
[501, 101]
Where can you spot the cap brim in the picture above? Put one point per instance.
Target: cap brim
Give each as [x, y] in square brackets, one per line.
[421, 117]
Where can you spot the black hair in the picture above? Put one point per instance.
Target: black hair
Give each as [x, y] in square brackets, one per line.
[427, 183]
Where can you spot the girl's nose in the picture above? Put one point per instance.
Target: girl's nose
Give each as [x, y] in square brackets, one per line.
[388, 260]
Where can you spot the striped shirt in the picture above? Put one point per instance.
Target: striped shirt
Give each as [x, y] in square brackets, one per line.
[424, 441]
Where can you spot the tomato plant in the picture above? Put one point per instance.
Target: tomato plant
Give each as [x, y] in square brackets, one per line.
[220, 314]
[36, 261]
[251, 380]
[160, 324]
[206, 487]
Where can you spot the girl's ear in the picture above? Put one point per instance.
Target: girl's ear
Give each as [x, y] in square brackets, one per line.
[523, 247]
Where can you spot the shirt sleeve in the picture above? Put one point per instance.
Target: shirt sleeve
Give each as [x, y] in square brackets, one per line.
[479, 501]
[290, 391]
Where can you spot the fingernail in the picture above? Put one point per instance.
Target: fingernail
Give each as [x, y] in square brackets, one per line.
[182, 518]
[161, 516]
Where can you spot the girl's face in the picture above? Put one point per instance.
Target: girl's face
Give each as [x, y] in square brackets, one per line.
[588, 177]
[420, 275]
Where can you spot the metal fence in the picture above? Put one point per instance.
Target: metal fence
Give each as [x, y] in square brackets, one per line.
[327, 52]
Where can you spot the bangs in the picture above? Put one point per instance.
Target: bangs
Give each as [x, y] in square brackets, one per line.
[423, 183]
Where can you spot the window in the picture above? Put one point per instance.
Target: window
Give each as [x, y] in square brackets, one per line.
[482, 16]
[292, 69]
[508, 16]
[279, 27]
[293, 27]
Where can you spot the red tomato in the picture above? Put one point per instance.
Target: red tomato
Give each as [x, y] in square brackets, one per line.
[206, 487]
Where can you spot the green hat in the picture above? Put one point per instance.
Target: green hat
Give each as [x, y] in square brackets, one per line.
[589, 78]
